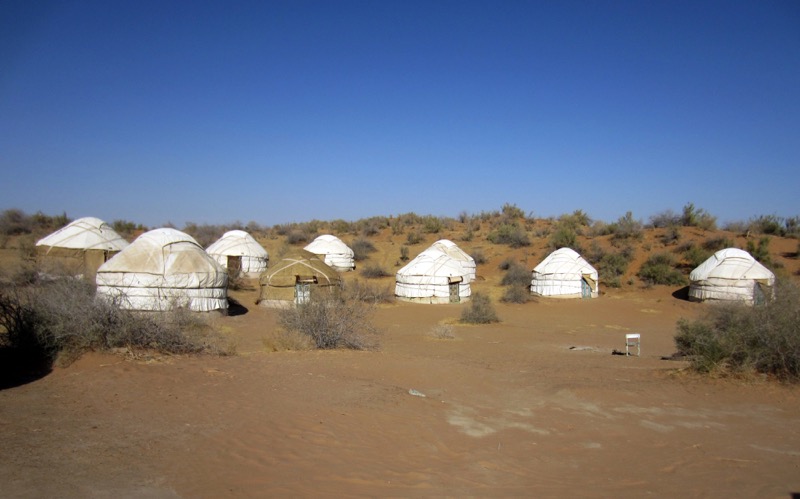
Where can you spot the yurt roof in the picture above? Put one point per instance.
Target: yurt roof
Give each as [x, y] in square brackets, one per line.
[237, 243]
[302, 263]
[565, 261]
[451, 249]
[147, 255]
[434, 263]
[327, 244]
[86, 233]
[731, 263]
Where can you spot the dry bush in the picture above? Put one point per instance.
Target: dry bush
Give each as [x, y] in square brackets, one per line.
[738, 338]
[479, 311]
[509, 233]
[281, 340]
[516, 275]
[442, 332]
[517, 294]
[361, 249]
[61, 319]
[374, 272]
[697, 217]
[333, 322]
[368, 292]
[414, 237]
[478, 256]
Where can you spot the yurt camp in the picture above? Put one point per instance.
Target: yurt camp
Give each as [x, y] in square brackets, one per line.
[452, 250]
[164, 269]
[731, 274]
[240, 253]
[565, 274]
[432, 277]
[79, 248]
[295, 279]
[334, 252]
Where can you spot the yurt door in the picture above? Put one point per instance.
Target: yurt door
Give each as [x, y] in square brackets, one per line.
[453, 284]
[234, 265]
[759, 297]
[302, 289]
[586, 289]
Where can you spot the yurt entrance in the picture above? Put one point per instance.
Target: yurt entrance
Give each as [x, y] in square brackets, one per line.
[453, 285]
[302, 289]
[586, 287]
[234, 265]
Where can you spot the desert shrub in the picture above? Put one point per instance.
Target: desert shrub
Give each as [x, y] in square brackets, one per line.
[767, 224]
[340, 226]
[563, 237]
[332, 322]
[432, 225]
[717, 243]
[671, 236]
[370, 228]
[694, 255]
[666, 218]
[398, 228]
[413, 238]
[374, 272]
[478, 256]
[479, 311]
[517, 294]
[404, 253]
[626, 227]
[737, 338]
[660, 269]
[14, 222]
[442, 332]
[126, 228]
[509, 233]
[468, 235]
[697, 217]
[612, 266]
[62, 319]
[361, 249]
[516, 275]
[511, 211]
[760, 250]
[205, 234]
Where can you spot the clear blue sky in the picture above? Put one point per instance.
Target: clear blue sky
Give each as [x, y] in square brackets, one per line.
[212, 112]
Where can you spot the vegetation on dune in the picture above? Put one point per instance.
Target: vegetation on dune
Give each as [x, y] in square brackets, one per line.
[740, 339]
[58, 320]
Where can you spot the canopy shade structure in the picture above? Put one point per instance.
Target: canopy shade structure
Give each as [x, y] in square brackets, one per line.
[164, 269]
[334, 252]
[237, 247]
[295, 279]
[79, 248]
[565, 274]
[452, 250]
[731, 274]
[433, 277]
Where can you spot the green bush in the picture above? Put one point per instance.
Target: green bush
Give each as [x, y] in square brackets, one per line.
[760, 250]
[509, 233]
[741, 338]
[697, 217]
[479, 311]
[563, 237]
[715, 244]
[612, 267]
[695, 255]
[660, 269]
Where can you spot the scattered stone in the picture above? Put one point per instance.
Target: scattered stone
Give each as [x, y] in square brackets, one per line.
[416, 393]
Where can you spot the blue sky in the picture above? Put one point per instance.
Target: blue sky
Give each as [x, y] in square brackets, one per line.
[212, 112]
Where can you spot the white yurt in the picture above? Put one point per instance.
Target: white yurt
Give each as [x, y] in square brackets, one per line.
[238, 250]
[79, 248]
[565, 274]
[452, 250]
[163, 269]
[334, 252]
[432, 277]
[731, 274]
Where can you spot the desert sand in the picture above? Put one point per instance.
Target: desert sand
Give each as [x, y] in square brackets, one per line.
[533, 406]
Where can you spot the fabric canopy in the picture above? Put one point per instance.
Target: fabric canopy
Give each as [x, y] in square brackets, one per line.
[333, 251]
[162, 269]
[238, 243]
[565, 274]
[452, 250]
[432, 277]
[730, 274]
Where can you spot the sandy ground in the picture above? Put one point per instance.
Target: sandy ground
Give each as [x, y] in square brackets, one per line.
[509, 410]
